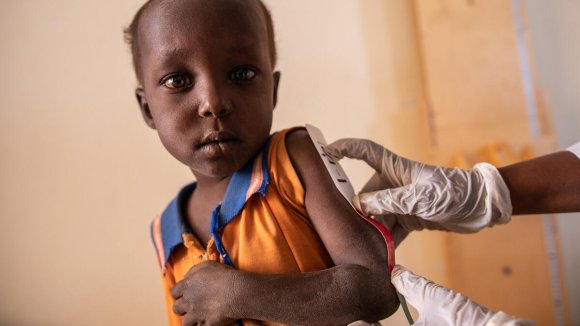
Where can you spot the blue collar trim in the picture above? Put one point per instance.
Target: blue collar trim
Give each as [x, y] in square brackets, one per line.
[253, 178]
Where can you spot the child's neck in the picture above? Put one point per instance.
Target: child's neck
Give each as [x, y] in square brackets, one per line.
[205, 198]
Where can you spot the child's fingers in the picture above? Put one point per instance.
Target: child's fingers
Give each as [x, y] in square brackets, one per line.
[180, 307]
[178, 289]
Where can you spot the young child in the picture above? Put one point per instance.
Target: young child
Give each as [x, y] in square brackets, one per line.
[263, 235]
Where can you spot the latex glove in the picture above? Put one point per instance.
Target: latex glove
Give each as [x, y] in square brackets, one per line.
[399, 225]
[434, 197]
[438, 305]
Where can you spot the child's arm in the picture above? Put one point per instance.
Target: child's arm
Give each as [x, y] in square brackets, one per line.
[357, 288]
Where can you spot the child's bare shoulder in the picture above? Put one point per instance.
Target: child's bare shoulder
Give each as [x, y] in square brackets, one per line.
[311, 170]
[303, 155]
[333, 217]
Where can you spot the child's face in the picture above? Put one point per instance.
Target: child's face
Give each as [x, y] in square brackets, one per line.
[208, 82]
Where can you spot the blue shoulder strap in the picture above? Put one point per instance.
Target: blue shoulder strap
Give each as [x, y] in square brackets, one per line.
[167, 230]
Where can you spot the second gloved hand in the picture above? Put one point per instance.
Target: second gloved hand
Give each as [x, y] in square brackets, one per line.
[438, 305]
[432, 197]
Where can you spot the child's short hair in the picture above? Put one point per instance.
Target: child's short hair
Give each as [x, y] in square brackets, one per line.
[131, 34]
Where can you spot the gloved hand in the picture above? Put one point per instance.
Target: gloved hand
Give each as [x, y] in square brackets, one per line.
[438, 305]
[399, 225]
[432, 197]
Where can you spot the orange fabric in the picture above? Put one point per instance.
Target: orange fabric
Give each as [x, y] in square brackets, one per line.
[272, 234]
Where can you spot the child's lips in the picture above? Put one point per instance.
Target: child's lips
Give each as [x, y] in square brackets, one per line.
[218, 148]
[218, 142]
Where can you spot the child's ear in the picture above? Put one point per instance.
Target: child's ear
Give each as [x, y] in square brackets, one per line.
[276, 83]
[144, 106]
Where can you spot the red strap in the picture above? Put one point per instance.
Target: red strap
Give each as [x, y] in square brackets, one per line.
[386, 235]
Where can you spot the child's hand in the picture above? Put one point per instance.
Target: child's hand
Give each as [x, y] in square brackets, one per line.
[201, 297]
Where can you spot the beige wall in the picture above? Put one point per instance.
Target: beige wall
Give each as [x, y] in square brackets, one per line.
[82, 175]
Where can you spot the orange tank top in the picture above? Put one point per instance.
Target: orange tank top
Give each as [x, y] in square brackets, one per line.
[261, 226]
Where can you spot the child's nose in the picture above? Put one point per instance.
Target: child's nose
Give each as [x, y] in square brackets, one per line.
[214, 105]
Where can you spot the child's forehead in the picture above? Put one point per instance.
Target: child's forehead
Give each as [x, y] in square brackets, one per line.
[205, 18]
[199, 13]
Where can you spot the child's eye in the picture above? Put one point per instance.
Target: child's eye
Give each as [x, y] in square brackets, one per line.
[176, 81]
[242, 74]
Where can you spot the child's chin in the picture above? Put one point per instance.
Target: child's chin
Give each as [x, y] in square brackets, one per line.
[217, 170]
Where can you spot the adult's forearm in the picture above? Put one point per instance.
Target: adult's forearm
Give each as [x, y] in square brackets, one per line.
[547, 184]
[335, 296]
